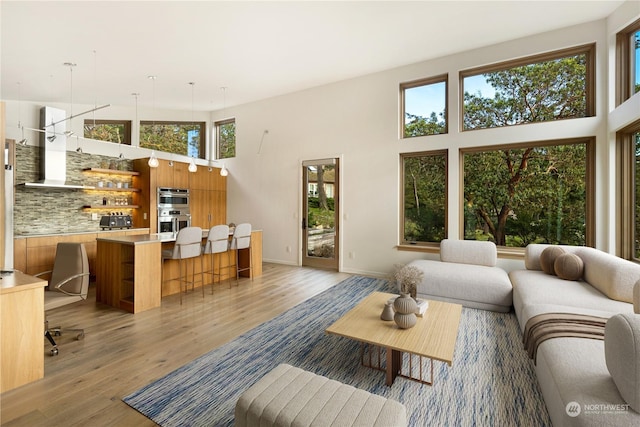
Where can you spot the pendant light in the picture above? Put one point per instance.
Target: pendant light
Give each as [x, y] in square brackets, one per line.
[70, 65]
[153, 160]
[192, 165]
[23, 141]
[224, 171]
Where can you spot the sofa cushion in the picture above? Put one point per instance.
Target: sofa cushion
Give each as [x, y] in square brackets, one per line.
[574, 370]
[568, 266]
[548, 258]
[613, 276]
[469, 252]
[476, 286]
[622, 353]
[533, 287]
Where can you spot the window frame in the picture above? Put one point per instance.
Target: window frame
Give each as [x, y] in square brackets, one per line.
[202, 125]
[434, 246]
[442, 78]
[590, 180]
[625, 160]
[217, 126]
[126, 123]
[590, 89]
[624, 76]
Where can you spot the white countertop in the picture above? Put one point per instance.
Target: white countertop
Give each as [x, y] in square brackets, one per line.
[139, 239]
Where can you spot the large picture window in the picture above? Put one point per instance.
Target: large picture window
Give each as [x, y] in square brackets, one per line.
[226, 138]
[424, 197]
[628, 62]
[543, 88]
[116, 131]
[424, 107]
[628, 151]
[530, 193]
[185, 138]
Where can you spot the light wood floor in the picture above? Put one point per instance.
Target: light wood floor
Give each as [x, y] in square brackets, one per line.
[122, 352]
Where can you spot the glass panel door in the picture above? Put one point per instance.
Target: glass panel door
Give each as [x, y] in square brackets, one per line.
[320, 213]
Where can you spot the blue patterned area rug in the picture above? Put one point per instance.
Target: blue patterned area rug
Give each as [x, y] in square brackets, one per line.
[491, 381]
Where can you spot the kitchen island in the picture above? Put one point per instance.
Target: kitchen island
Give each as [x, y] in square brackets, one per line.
[129, 269]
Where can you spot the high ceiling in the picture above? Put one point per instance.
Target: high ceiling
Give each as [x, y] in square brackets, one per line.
[255, 50]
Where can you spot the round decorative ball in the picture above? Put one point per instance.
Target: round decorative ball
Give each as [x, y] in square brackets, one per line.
[548, 258]
[405, 321]
[569, 267]
[404, 304]
[405, 307]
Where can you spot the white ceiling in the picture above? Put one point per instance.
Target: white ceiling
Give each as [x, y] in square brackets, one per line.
[254, 49]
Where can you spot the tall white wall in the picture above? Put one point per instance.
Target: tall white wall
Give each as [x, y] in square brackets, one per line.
[358, 121]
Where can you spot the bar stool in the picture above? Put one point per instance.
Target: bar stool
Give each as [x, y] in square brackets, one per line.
[217, 243]
[188, 245]
[242, 240]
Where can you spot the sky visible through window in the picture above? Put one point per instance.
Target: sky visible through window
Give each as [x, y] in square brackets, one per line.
[424, 100]
[427, 99]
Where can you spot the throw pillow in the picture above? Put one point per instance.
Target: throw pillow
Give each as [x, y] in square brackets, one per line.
[622, 355]
[569, 267]
[548, 258]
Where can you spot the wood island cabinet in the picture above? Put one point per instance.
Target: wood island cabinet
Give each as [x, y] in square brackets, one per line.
[127, 270]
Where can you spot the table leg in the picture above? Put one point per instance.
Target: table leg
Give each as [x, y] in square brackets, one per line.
[394, 364]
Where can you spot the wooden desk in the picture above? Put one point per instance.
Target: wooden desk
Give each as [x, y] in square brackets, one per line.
[21, 329]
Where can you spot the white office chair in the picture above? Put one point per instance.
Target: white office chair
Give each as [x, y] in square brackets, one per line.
[188, 245]
[242, 240]
[217, 243]
[69, 283]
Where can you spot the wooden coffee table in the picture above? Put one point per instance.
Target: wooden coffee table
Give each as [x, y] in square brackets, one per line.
[433, 336]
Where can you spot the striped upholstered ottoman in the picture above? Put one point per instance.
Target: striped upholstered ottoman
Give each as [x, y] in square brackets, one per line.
[289, 396]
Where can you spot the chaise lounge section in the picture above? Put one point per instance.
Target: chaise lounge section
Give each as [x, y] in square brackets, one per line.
[466, 274]
[581, 385]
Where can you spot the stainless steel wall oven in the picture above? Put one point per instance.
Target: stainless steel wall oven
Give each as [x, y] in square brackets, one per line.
[173, 209]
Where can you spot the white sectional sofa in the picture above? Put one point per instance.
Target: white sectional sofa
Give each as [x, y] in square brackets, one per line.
[466, 274]
[580, 386]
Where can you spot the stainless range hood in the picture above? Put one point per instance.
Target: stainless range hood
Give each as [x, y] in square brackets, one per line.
[53, 151]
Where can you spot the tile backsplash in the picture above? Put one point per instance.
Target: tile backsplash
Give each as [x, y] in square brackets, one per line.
[60, 210]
